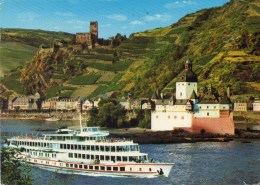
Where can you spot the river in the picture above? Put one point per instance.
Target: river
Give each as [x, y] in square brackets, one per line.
[206, 163]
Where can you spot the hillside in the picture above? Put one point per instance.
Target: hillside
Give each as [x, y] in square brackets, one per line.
[13, 55]
[222, 42]
[18, 46]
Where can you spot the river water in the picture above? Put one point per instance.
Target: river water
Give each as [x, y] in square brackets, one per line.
[206, 163]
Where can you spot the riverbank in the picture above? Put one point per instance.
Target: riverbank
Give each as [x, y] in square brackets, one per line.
[244, 132]
[67, 116]
[179, 136]
[146, 136]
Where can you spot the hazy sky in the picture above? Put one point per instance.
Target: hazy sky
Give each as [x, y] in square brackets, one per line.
[113, 16]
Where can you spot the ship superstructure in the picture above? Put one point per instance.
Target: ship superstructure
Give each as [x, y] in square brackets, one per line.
[88, 151]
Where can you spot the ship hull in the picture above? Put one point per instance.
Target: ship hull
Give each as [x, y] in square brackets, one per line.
[143, 170]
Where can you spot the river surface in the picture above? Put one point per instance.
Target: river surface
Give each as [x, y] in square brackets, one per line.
[206, 163]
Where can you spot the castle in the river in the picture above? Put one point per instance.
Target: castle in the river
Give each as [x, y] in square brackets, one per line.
[186, 110]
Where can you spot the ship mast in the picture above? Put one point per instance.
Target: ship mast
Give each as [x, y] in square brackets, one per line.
[80, 122]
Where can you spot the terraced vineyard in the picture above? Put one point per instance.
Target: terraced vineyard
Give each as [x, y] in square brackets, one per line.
[222, 42]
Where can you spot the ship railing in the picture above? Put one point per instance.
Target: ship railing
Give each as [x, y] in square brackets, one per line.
[114, 140]
[32, 137]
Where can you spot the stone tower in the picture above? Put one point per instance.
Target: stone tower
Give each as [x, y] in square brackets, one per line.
[94, 32]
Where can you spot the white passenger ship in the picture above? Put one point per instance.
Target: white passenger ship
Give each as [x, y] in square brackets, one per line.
[88, 152]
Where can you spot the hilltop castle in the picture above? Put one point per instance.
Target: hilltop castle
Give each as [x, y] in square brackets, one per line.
[89, 39]
[193, 113]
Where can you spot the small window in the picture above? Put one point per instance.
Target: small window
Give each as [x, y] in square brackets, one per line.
[102, 168]
[118, 158]
[115, 168]
[71, 165]
[207, 113]
[122, 168]
[80, 166]
[85, 166]
[96, 167]
[150, 169]
[75, 166]
[130, 169]
[108, 168]
[140, 169]
[91, 167]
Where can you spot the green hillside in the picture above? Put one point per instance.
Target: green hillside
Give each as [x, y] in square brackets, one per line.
[222, 42]
[34, 37]
[13, 55]
[17, 47]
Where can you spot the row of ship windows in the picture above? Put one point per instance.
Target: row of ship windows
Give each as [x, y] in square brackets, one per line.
[100, 148]
[37, 144]
[90, 167]
[62, 138]
[109, 158]
[82, 147]
[43, 154]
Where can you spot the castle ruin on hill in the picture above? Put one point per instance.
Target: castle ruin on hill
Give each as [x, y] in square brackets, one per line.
[89, 39]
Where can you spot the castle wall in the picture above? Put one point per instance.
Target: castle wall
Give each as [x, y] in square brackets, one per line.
[209, 110]
[170, 120]
[185, 89]
[83, 38]
[222, 125]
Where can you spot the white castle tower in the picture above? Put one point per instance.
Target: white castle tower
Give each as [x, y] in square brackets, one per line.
[188, 84]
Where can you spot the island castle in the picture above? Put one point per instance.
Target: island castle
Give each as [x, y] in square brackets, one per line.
[192, 113]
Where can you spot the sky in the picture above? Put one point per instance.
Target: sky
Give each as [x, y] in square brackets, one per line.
[113, 16]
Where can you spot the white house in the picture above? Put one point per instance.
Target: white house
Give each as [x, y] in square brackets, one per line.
[256, 105]
[87, 105]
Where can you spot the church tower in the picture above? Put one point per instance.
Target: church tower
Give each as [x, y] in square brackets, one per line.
[187, 83]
